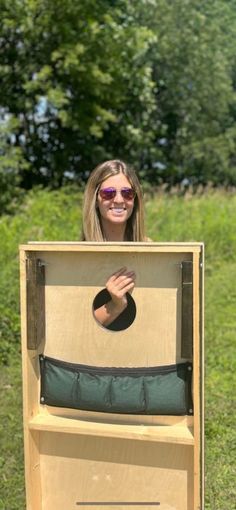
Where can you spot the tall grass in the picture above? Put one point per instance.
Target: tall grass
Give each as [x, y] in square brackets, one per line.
[207, 217]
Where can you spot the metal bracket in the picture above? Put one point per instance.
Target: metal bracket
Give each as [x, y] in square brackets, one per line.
[35, 291]
[187, 310]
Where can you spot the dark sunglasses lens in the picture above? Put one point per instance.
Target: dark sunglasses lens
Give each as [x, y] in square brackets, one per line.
[110, 193]
[128, 193]
[107, 193]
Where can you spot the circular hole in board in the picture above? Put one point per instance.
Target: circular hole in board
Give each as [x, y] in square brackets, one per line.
[124, 320]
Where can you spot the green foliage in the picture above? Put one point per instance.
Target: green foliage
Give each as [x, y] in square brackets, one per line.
[205, 217]
[195, 98]
[150, 81]
[220, 385]
[75, 65]
[12, 494]
[11, 161]
[56, 216]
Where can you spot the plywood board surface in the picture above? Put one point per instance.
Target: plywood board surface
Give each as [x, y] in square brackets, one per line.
[72, 334]
[70, 461]
[102, 470]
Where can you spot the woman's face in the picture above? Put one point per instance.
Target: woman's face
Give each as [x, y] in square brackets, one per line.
[118, 209]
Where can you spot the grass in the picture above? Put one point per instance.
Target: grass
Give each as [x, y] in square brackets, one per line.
[207, 217]
[12, 496]
[220, 388]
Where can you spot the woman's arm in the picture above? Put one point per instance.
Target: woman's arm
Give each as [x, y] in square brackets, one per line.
[118, 285]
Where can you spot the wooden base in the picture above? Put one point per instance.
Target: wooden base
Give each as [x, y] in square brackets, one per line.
[83, 469]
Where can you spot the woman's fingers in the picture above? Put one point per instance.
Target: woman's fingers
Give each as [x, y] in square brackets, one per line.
[118, 285]
[121, 282]
[117, 273]
[121, 275]
[120, 291]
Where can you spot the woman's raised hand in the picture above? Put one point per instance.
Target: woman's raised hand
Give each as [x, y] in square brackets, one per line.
[118, 284]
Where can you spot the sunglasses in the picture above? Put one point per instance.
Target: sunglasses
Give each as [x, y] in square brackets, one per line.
[110, 193]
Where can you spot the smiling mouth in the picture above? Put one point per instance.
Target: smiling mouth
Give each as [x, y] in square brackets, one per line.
[118, 209]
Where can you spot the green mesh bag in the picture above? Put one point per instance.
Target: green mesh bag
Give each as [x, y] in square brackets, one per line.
[164, 390]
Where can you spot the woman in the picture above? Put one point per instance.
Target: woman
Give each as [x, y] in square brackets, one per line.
[113, 211]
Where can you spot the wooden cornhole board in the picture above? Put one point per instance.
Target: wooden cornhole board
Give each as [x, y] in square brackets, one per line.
[76, 458]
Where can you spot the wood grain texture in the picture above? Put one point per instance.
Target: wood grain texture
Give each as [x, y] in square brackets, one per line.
[197, 382]
[156, 433]
[76, 456]
[113, 247]
[30, 371]
[73, 280]
[104, 469]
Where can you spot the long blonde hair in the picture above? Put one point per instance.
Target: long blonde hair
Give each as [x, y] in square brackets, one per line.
[92, 228]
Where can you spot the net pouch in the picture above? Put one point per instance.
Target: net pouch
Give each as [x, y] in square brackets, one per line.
[162, 390]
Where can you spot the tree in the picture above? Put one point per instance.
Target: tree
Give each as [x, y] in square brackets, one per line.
[150, 81]
[77, 81]
[192, 64]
